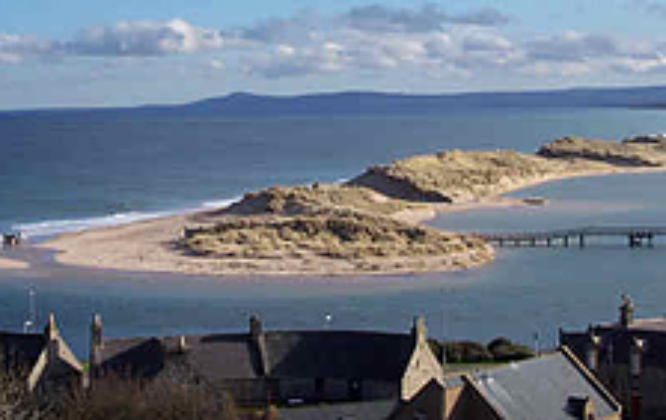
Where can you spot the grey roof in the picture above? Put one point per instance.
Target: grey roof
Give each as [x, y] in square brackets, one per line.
[20, 350]
[338, 354]
[222, 357]
[375, 410]
[289, 354]
[540, 388]
[216, 357]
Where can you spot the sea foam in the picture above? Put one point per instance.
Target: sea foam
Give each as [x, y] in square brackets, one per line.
[49, 228]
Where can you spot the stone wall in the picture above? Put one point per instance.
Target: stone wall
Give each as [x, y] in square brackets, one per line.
[422, 368]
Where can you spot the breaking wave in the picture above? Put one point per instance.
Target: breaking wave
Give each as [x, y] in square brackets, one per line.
[49, 228]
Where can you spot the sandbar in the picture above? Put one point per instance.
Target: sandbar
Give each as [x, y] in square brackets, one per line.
[150, 246]
[10, 264]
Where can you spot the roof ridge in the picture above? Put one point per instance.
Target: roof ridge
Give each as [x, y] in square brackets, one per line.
[245, 333]
[592, 380]
[469, 380]
[356, 332]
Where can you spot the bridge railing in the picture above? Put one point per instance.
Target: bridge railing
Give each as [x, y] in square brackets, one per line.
[631, 232]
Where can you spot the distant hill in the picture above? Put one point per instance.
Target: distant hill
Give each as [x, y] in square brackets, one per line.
[370, 102]
[246, 104]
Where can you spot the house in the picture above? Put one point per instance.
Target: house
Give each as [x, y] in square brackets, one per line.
[277, 366]
[363, 410]
[44, 361]
[629, 358]
[552, 386]
[355, 374]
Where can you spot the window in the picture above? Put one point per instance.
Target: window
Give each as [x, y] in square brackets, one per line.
[320, 389]
[420, 415]
[355, 389]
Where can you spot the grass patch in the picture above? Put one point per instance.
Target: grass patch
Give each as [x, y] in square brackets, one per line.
[338, 235]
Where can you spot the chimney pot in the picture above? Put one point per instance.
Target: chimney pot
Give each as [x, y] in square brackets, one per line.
[256, 329]
[420, 331]
[51, 328]
[626, 311]
[96, 341]
[182, 344]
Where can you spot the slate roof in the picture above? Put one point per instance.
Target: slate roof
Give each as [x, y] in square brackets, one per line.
[217, 357]
[288, 354]
[20, 350]
[375, 410]
[338, 354]
[541, 388]
[649, 324]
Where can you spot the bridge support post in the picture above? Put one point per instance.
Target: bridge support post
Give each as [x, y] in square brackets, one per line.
[566, 241]
[581, 241]
[634, 241]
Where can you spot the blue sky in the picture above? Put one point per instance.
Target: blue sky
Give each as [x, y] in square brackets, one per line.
[100, 53]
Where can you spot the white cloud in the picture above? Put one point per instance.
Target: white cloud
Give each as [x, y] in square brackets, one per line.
[367, 40]
[287, 60]
[430, 17]
[14, 49]
[573, 46]
[145, 39]
[554, 69]
[217, 64]
[637, 65]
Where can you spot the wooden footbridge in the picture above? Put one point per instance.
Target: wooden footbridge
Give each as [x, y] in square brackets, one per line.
[635, 236]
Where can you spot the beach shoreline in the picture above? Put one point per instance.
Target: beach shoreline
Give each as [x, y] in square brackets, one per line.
[146, 246]
[13, 264]
[502, 201]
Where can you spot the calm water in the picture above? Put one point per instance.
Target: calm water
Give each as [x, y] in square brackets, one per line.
[77, 173]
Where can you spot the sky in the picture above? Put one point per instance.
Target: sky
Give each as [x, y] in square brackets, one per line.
[80, 53]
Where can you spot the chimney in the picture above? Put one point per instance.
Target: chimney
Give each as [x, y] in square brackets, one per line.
[592, 351]
[419, 330]
[256, 331]
[258, 341]
[51, 329]
[52, 336]
[182, 344]
[96, 342]
[626, 312]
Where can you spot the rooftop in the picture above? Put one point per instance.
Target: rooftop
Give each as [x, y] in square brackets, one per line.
[542, 387]
[284, 354]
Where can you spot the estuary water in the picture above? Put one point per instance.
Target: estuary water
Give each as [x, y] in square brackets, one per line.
[60, 175]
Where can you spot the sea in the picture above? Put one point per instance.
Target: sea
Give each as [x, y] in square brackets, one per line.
[66, 172]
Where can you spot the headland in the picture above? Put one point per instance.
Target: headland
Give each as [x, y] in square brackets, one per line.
[368, 225]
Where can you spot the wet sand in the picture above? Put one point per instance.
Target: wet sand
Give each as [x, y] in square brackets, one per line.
[12, 264]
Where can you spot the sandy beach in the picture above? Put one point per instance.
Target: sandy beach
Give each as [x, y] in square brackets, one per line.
[10, 264]
[147, 246]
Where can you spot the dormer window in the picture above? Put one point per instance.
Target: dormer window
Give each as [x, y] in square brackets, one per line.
[581, 407]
